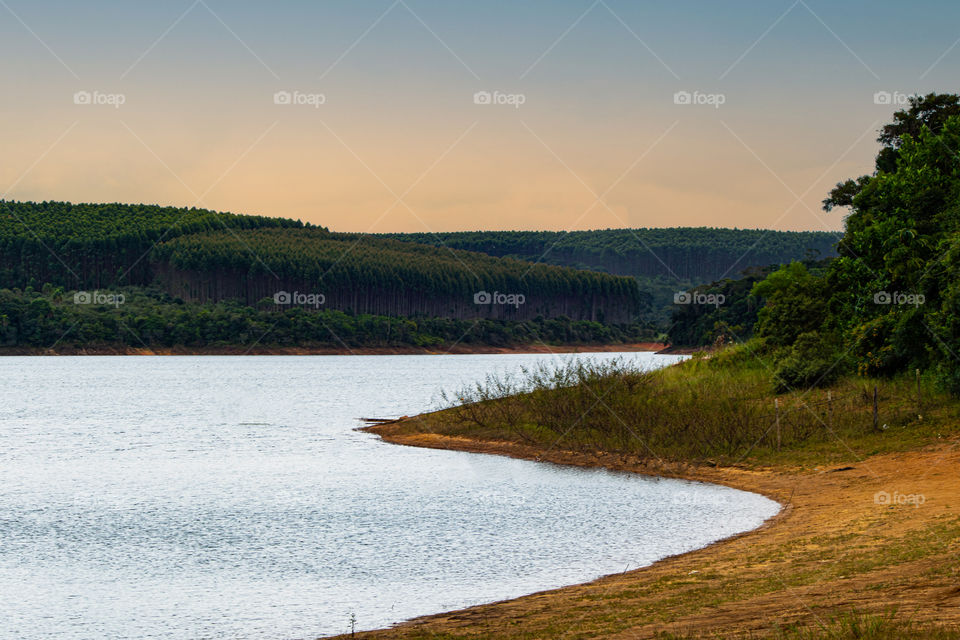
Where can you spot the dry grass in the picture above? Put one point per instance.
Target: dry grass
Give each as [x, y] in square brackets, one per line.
[720, 409]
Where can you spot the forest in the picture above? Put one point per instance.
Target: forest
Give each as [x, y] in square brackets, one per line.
[194, 277]
[368, 274]
[99, 245]
[662, 261]
[147, 318]
[207, 256]
[890, 302]
[693, 254]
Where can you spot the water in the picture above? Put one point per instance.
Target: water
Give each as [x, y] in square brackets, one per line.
[231, 497]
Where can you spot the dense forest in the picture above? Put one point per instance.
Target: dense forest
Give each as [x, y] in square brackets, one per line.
[367, 274]
[717, 313]
[199, 277]
[201, 255]
[663, 261]
[890, 303]
[98, 245]
[147, 318]
[726, 311]
[696, 254]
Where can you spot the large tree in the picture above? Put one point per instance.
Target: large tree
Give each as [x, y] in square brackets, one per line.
[890, 302]
[925, 113]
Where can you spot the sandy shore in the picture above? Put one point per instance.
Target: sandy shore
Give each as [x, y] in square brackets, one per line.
[328, 351]
[846, 539]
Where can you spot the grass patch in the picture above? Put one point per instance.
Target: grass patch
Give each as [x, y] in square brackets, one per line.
[721, 409]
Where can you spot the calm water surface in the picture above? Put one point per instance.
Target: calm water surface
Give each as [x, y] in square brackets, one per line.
[231, 497]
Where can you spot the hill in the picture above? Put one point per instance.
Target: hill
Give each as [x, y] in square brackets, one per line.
[162, 256]
[368, 274]
[693, 254]
[110, 275]
[98, 245]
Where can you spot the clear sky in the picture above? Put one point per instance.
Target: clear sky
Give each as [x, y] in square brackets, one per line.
[363, 115]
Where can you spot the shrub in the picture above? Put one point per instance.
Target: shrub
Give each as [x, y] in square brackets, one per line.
[812, 361]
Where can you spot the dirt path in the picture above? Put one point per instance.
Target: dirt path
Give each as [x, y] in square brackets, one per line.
[882, 534]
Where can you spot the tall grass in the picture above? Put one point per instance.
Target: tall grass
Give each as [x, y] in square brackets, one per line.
[722, 408]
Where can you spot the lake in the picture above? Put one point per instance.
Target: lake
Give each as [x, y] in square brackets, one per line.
[231, 497]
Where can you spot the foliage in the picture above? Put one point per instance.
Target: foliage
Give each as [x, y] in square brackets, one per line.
[97, 245]
[201, 255]
[663, 261]
[897, 278]
[719, 409]
[794, 304]
[811, 361]
[891, 299]
[926, 114]
[335, 260]
[149, 318]
[726, 323]
[207, 256]
[697, 254]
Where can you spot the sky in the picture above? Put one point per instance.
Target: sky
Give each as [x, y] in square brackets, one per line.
[445, 115]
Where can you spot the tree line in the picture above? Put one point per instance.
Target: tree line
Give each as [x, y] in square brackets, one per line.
[139, 317]
[697, 254]
[368, 274]
[98, 245]
[890, 302]
[201, 255]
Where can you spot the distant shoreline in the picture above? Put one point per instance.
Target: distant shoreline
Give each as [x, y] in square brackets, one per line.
[459, 349]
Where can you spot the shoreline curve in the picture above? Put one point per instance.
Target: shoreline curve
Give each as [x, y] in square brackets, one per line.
[742, 584]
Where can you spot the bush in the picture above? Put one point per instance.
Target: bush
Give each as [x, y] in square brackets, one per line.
[812, 362]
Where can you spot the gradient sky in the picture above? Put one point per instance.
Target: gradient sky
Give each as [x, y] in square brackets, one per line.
[400, 145]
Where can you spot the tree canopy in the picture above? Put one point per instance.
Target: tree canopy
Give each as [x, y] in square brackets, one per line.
[891, 301]
[697, 254]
